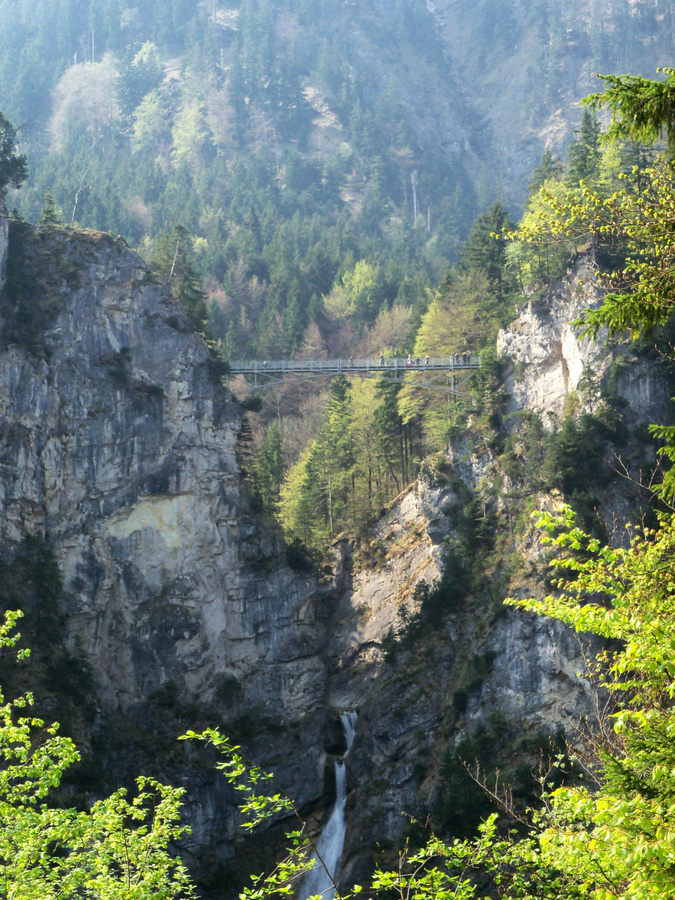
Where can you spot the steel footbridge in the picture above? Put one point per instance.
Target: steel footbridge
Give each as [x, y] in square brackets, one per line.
[448, 374]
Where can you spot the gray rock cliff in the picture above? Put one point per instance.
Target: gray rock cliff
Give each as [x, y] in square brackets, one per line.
[481, 669]
[117, 444]
[120, 447]
[546, 355]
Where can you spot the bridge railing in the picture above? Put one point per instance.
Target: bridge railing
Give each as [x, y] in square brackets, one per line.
[331, 366]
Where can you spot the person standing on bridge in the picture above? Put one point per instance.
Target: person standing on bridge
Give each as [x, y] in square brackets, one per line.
[381, 359]
[426, 360]
[351, 361]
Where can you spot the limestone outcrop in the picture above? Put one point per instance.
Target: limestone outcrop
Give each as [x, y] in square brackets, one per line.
[546, 355]
[526, 672]
[119, 445]
[475, 667]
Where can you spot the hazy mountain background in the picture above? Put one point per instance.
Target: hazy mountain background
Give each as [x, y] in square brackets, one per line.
[316, 126]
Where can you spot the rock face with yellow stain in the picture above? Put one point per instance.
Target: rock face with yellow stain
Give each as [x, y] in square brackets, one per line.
[118, 444]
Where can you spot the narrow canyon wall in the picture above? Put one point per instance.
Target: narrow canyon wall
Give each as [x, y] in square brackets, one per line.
[527, 672]
[119, 445]
[480, 664]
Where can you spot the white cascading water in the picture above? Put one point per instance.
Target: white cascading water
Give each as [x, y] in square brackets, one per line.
[320, 878]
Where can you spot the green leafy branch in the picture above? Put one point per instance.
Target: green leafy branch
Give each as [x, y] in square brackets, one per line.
[642, 109]
[119, 850]
[262, 802]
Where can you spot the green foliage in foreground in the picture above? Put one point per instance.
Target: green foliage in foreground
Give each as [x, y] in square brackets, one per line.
[639, 294]
[642, 109]
[618, 840]
[117, 850]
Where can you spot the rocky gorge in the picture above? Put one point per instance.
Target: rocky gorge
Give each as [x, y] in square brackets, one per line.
[118, 450]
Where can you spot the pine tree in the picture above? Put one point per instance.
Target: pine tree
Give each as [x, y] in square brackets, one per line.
[173, 262]
[642, 109]
[138, 77]
[13, 165]
[485, 252]
[584, 152]
[335, 453]
[50, 212]
[268, 468]
[230, 343]
[389, 432]
[549, 169]
[302, 510]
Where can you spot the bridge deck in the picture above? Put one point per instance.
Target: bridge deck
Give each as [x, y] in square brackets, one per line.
[398, 365]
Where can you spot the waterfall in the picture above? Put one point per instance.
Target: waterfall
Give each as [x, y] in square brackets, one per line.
[331, 842]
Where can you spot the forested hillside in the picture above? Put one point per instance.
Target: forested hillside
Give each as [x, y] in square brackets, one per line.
[311, 169]
[275, 133]
[318, 166]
